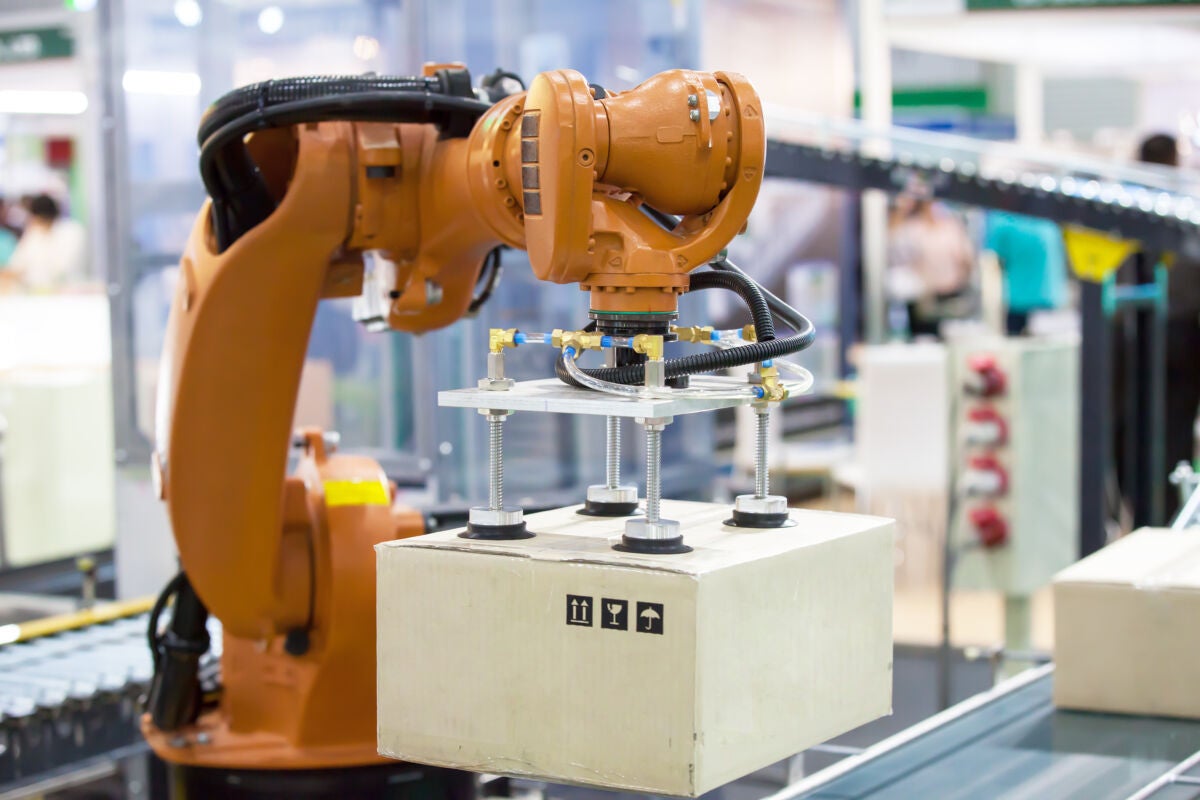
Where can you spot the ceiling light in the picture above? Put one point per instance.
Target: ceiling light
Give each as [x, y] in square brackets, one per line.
[18, 101]
[270, 19]
[188, 12]
[366, 47]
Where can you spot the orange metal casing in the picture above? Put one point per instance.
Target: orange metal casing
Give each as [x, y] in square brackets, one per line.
[267, 554]
[590, 158]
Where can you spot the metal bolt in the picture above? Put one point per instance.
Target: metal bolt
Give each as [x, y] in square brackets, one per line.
[612, 468]
[495, 462]
[653, 472]
[762, 474]
[693, 101]
[694, 115]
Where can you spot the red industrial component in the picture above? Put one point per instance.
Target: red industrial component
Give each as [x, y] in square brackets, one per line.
[988, 427]
[984, 376]
[990, 526]
[60, 152]
[987, 476]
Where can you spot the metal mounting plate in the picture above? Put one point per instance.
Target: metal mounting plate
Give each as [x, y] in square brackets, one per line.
[552, 395]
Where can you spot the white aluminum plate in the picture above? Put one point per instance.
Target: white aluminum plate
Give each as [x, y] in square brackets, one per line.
[552, 395]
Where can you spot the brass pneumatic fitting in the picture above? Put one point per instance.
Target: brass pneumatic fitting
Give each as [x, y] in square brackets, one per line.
[580, 340]
[694, 333]
[773, 390]
[500, 338]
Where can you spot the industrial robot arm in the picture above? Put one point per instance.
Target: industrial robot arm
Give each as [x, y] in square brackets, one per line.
[305, 176]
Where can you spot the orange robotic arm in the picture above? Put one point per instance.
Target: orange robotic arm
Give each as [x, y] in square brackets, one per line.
[286, 562]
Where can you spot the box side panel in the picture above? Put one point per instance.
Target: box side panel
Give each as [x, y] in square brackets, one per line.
[1126, 649]
[793, 651]
[486, 664]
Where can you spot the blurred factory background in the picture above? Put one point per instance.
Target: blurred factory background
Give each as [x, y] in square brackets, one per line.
[928, 161]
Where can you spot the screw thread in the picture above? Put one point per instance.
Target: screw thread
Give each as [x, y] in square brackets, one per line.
[612, 467]
[495, 463]
[762, 474]
[653, 475]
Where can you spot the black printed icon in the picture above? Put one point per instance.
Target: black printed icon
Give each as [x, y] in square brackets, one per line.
[650, 617]
[614, 614]
[579, 610]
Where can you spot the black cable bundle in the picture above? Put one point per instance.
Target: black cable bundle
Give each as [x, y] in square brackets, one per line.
[240, 196]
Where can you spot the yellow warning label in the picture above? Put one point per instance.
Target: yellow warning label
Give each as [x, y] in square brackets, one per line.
[355, 493]
[1095, 255]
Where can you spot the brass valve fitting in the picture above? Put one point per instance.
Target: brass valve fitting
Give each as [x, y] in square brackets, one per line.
[580, 340]
[649, 345]
[694, 333]
[500, 338]
[773, 390]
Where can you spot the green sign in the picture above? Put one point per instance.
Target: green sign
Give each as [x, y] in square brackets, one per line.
[968, 98]
[35, 44]
[1015, 5]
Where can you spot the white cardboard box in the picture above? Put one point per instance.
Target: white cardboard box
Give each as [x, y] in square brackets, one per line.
[1126, 638]
[681, 673]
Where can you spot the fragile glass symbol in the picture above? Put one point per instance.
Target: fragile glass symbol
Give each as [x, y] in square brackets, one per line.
[615, 609]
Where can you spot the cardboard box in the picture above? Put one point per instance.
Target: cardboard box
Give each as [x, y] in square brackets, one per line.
[557, 657]
[1126, 638]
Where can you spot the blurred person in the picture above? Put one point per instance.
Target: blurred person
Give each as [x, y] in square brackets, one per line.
[930, 252]
[1159, 148]
[8, 235]
[1034, 262]
[10, 219]
[52, 251]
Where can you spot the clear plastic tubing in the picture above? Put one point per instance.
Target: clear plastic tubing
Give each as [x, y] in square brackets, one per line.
[735, 392]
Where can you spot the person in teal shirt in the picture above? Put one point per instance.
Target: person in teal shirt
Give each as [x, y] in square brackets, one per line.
[8, 235]
[8, 243]
[1034, 262]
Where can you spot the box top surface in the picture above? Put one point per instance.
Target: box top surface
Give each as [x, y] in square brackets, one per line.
[1150, 558]
[565, 535]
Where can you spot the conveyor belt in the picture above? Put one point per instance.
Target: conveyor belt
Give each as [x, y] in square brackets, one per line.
[1012, 743]
[75, 695]
[1157, 208]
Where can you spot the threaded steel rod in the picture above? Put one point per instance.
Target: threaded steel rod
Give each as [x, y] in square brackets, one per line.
[495, 462]
[762, 474]
[653, 474]
[612, 469]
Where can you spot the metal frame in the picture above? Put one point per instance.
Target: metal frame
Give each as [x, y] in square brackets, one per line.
[1189, 514]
